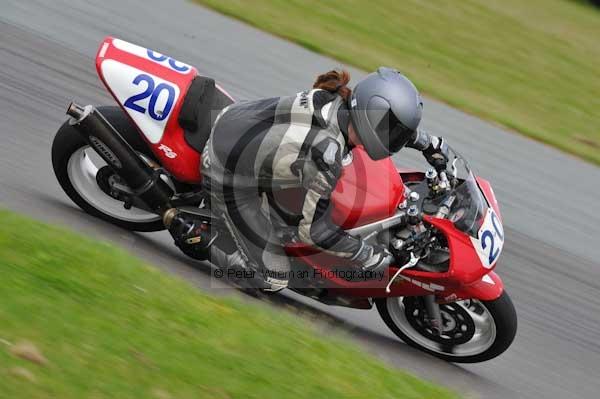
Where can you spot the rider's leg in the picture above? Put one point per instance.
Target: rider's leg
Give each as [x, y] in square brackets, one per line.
[257, 245]
[256, 240]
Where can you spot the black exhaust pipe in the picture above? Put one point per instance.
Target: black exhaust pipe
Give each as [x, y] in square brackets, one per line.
[144, 181]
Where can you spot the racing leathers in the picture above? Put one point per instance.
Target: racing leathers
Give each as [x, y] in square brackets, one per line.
[260, 147]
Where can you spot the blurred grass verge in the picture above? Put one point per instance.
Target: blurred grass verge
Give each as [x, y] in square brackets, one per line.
[81, 318]
[531, 66]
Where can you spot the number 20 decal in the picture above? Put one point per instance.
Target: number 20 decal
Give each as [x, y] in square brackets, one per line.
[153, 91]
[488, 236]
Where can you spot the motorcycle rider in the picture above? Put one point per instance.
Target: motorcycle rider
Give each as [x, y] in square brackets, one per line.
[259, 147]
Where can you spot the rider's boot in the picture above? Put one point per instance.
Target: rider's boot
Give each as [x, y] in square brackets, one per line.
[238, 271]
[194, 238]
[191, 235]
[277, 268]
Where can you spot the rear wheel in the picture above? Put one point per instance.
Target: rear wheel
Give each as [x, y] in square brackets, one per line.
[86, 179]
[473, 331]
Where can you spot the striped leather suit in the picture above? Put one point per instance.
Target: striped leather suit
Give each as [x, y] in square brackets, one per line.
[271, 144]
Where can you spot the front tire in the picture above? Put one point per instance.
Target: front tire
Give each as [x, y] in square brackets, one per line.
[76, 167]
[474, 331]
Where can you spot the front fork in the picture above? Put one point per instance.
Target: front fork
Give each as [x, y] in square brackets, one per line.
[433, 313]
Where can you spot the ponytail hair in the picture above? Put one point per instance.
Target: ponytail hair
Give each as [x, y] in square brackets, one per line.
[334, 82]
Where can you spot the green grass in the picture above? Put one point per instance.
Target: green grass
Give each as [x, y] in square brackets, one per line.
[111, 327]
[533, 66]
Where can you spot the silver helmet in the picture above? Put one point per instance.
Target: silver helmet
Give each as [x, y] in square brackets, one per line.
[385, 109]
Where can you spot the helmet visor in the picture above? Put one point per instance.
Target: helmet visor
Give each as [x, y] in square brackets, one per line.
[392, 133]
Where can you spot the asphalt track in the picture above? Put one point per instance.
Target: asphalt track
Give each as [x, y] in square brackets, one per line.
[549, 200]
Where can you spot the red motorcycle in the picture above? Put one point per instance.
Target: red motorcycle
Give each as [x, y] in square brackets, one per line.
[134, 164]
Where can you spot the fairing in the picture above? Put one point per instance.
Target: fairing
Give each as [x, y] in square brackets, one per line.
[468, 275]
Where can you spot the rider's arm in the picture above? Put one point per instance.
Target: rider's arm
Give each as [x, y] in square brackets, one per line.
[319, 177]
[421, 140]
[434, 148]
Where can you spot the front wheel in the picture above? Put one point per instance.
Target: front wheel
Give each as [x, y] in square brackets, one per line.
[473, 331]
[85, 177]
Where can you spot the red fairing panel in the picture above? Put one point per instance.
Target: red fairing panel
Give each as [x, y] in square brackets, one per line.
[488, 288]
[367, 191]
[465, 264]
[150, 87]
[359, 200]
[466, 277]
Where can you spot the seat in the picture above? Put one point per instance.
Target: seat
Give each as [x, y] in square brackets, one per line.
[201, 105]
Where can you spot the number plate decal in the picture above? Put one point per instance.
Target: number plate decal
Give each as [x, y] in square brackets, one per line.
[147, 98]
[490, 240]
[153, 56]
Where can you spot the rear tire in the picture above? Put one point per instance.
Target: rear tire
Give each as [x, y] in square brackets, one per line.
[68, 144]
[499, 337]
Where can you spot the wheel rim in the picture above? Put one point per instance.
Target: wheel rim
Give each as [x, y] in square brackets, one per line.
[468, 326]
[82, 168]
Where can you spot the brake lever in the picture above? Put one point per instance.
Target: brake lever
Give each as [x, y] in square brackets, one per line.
[411, 263]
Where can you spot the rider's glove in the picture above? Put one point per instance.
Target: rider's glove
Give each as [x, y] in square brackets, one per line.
[437, 153]
[374, 258]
